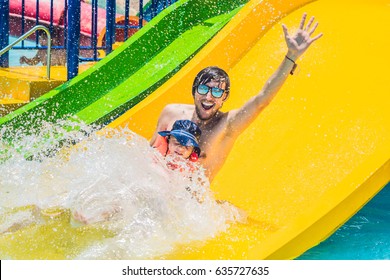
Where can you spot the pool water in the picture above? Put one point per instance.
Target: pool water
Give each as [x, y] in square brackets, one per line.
[366, 236]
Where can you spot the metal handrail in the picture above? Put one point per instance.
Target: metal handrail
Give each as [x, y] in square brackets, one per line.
[27, 34]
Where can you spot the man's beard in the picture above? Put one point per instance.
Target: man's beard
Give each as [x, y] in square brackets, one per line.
[198, 114]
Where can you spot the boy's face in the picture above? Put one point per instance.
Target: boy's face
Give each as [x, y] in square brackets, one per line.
[176, 148]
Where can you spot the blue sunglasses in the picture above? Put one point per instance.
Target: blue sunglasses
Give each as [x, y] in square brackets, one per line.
[215, 91]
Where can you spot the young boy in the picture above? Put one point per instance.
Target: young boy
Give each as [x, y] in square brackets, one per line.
[182, 140]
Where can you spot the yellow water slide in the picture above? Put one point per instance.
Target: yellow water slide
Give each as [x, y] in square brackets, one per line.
[320, 150]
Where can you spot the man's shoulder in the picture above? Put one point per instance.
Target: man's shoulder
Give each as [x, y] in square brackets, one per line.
[173, 112]
[174, 106]
[177, 109]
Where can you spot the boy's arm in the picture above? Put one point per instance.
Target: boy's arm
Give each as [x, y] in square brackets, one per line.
[297, 44]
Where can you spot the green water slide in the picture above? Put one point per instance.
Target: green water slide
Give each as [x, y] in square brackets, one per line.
[130, 73]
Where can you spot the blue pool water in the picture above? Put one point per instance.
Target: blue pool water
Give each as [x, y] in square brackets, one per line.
[366, 236]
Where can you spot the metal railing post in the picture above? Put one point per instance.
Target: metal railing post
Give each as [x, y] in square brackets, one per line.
[4, 31]
[73, 40]
[110, 24]
[23, 19]
[127, 22]
[94, 22]
[141, 14]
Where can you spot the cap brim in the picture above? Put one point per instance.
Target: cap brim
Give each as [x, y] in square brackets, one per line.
[164, 133]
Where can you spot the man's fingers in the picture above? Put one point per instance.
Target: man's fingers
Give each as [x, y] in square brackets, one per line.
[309, 23]
[285, 31]
[302, 24]
[313, 28]
[315, 38]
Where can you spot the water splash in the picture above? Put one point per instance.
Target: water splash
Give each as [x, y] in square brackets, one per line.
[115, 179]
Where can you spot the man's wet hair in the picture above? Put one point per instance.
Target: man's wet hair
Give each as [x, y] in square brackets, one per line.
[211, 73]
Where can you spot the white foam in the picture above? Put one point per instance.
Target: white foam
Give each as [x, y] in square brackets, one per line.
[122, 181]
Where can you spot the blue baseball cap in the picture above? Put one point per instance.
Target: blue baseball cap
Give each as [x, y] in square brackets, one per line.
[186, 132]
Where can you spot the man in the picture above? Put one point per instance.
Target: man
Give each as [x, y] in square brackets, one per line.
[210, 90]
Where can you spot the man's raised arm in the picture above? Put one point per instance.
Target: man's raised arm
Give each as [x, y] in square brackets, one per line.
[297, 44]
